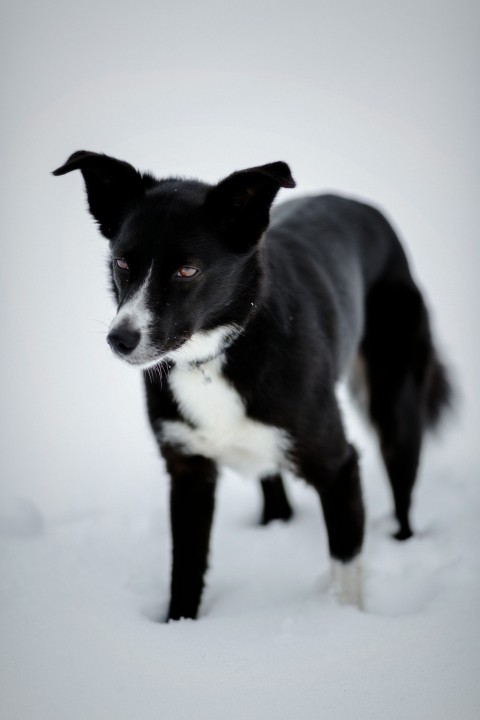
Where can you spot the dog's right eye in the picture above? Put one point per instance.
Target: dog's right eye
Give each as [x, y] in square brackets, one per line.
[121, 264]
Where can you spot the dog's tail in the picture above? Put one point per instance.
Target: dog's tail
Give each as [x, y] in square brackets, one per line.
[439, 393]
[409, 385]
[436, 389]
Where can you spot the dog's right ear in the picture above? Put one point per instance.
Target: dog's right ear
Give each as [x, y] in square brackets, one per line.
[111, 186]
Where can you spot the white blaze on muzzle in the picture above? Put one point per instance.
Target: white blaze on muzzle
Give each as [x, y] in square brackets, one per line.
[135, 317]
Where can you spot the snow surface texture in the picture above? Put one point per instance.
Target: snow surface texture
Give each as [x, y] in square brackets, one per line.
[365, 98]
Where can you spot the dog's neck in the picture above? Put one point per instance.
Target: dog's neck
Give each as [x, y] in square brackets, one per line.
[205, 346]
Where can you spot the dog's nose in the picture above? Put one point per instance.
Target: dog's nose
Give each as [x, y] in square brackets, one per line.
[123, 340]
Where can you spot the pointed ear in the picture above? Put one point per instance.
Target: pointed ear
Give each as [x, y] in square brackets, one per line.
[242, 200]
[111, 186]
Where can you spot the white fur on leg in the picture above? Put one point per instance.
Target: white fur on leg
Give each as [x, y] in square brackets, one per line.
[347, 582]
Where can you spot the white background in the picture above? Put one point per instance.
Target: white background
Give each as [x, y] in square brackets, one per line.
[375, 99]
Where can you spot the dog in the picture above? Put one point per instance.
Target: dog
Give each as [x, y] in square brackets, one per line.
[243, 319]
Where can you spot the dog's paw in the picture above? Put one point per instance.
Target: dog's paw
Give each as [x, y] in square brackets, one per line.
[404, 533]
[347, 582]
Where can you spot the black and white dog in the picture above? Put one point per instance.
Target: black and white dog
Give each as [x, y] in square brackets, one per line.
[243, 320]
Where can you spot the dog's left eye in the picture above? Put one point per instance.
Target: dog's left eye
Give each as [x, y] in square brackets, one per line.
[186, 271]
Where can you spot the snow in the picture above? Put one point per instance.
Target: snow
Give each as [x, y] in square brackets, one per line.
[82, 597]
[84, 537]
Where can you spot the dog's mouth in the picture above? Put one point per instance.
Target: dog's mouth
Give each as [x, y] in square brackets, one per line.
[131, 346]
[191, 348]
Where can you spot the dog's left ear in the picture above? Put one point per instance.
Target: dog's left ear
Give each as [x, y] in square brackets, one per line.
[242, 200]
[111, 184]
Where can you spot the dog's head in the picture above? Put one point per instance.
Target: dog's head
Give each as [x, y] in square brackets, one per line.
[185, 260]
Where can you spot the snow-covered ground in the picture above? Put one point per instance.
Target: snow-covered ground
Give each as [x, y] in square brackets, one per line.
[361, 97]
[81, 593]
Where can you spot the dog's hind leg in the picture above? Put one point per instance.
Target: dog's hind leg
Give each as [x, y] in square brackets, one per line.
[192, 501]
[398, 352]
[276, 505]
[400, 430]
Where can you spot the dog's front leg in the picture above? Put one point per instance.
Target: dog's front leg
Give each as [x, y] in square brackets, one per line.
[338, 485]
[344, 513]
[192, 501]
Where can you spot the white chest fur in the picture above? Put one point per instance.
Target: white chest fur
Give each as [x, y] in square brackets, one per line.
[221, 429]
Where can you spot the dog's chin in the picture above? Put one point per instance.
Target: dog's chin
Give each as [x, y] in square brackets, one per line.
[147, 361]
[146, 364]
[143, 361]
[202, 346]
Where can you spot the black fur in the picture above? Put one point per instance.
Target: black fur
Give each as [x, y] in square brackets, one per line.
[306, 288]
[276, 505]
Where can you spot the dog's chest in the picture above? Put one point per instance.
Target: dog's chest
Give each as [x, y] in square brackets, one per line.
[217, 425]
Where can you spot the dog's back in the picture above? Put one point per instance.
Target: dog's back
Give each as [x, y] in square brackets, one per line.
[336, 249]
[373, 299]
